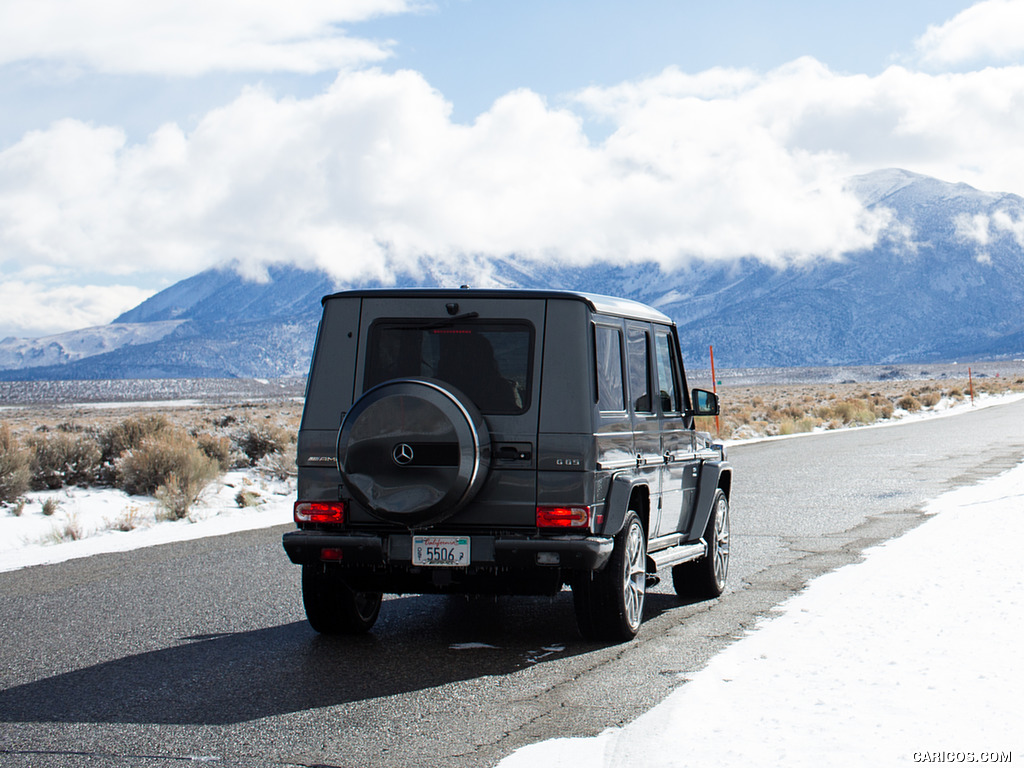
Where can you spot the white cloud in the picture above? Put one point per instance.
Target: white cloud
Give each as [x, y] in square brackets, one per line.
[40, 308]
[372, 175]
[991, 31]
[982, 229]
[192, 37]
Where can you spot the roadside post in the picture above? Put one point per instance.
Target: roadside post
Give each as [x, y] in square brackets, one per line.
[714, 387]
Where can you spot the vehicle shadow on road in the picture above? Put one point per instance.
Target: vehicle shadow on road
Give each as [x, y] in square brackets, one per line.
[418, 643]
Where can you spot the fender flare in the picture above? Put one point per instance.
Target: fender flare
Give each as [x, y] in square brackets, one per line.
[616, 503]
[713, 475]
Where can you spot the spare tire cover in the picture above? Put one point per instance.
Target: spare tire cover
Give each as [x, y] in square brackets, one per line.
[413, 451]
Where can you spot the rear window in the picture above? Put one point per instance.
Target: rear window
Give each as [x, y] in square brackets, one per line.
[491, 363]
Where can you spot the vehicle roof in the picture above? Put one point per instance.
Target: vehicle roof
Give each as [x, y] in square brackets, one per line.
[606, 305]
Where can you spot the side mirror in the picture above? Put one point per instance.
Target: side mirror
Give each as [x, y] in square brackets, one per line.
[704, 403]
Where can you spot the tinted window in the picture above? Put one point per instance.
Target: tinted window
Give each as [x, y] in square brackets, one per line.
[608, 342]
[637, 342]
[489, 362]
[668, 376]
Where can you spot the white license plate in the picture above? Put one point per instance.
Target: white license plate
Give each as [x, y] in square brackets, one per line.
[450, 551]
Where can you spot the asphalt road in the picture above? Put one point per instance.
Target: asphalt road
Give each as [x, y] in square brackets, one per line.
[199, 652]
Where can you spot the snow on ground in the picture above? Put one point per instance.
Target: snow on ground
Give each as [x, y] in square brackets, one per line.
[909, 657]
[96, 516]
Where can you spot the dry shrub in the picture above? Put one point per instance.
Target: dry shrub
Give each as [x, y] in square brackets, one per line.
[64, 458]
[884, 409]
[247, 498]
[50, 507]
[257, 442]
[70, 530]
[181, 490]
[15, 467]
[798, 426]
[142, 470]
[279, 465]
[129, 520]
[909, 403]
[930, 399]
[217, 448]
[130, 434]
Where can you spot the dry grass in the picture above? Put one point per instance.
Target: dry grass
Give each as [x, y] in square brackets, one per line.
[785, 409]
[15, 467]
[52, 446]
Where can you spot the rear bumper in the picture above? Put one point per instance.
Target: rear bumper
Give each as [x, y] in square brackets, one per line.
[588, 553]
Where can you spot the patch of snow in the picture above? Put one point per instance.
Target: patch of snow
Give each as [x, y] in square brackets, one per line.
[96, 515]
[911, 656]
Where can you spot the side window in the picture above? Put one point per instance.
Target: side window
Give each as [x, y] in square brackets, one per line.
[668, 374]
[608, 357]
[637, 343]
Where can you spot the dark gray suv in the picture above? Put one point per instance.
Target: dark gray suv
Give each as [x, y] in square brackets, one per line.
[503, 442]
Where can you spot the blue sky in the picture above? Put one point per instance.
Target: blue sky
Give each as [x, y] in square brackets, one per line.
[142, 143]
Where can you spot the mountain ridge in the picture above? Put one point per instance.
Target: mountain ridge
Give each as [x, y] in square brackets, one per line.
[945, 281]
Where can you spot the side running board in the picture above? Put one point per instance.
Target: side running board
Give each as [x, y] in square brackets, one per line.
[683, 553]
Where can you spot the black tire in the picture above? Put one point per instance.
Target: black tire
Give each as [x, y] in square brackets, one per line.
[705, 578]
[333, 608]
[610, 604]
[413, 451]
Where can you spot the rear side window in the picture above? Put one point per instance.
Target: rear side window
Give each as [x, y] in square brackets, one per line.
[638, 357]
[608, 357]
[491, 363]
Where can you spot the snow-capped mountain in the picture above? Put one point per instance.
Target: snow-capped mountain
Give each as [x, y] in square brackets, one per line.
[944, 282]
[64, 348]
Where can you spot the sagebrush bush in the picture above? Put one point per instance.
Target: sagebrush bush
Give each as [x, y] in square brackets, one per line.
[909, 403]
[279, 465]
[130, 434]
[15, 467]
[217, 448]
[247, 498]
[182, 489]
[64, 458]
[142, 470]
[257, 442]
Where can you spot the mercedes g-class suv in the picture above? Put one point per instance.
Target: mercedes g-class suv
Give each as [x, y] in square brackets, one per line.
[503, 442]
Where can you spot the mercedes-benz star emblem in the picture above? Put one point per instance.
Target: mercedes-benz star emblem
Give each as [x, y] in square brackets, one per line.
[402, 454]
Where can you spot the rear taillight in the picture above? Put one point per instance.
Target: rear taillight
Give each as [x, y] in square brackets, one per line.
[563, 517]
[320, 512]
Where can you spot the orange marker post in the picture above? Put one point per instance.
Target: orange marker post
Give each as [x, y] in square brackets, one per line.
[714, 386]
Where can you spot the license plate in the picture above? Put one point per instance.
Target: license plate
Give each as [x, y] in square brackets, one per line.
[449, 551]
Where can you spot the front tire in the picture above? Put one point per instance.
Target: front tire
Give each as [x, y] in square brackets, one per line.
[334, 608]
[610, 604]
[705, 578]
